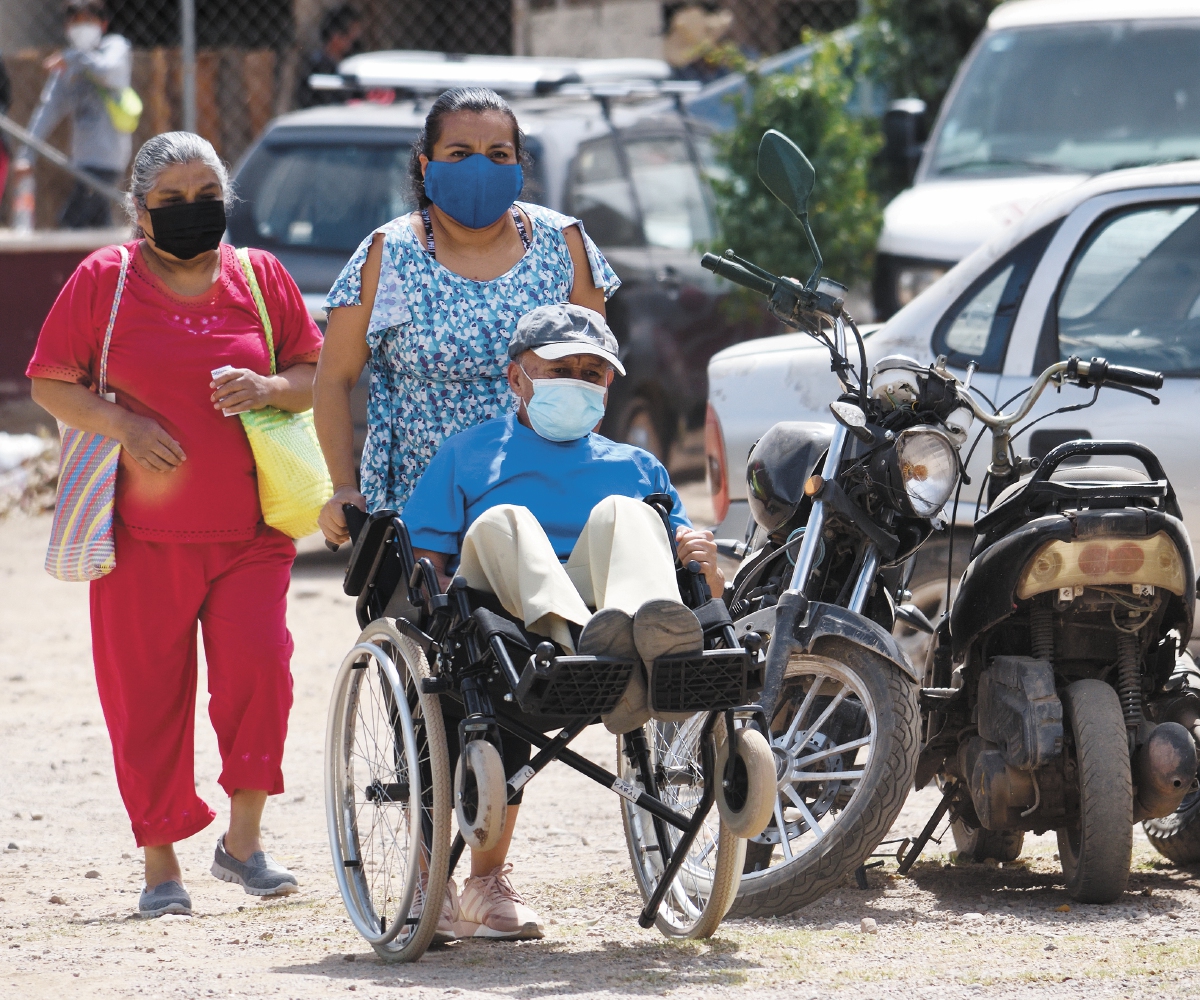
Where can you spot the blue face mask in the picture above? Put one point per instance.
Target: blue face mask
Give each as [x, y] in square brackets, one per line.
[564, 409]
[474, 192]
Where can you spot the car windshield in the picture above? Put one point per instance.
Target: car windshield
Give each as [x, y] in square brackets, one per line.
[1133, 293]
[328, 195]
[1081, 98]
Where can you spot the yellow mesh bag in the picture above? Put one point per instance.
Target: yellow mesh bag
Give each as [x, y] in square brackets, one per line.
[293, 483]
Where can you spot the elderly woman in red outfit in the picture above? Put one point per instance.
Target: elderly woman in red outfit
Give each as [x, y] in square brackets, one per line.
[191, 545]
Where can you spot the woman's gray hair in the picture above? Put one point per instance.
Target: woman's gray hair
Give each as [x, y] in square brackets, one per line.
[165, 150]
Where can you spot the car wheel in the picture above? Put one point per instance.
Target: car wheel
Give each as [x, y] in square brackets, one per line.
[637, 424]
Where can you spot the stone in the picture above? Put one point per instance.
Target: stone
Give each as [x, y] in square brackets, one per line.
[36, 816]
[91, 873]
[58, 900]
[868, 925]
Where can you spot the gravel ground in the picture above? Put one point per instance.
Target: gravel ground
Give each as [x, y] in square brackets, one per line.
[70, 876]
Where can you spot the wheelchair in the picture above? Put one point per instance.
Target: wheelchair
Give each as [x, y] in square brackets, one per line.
[389, 790]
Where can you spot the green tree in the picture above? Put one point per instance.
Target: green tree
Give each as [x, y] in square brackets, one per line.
[914, 47]
[808, 106]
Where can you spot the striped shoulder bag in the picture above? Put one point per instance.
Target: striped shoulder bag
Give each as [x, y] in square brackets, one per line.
[81, 539]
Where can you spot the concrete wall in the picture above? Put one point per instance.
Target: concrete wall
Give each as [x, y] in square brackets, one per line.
[606, 29]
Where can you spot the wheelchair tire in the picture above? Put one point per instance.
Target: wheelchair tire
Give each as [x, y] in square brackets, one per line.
[480, 795]
[387, 793]
[746, 785]
[848, 770]
[706, 884]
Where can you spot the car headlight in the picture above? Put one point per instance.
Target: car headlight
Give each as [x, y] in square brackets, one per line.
[926, 465]
[912, 281]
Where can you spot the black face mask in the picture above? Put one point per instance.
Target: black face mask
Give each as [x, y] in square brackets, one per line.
[188, 229]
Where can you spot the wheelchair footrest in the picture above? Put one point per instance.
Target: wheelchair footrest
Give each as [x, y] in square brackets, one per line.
[704, 682]
[573, 685]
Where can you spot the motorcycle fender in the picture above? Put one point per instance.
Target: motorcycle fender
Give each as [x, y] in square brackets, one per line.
[825, 622]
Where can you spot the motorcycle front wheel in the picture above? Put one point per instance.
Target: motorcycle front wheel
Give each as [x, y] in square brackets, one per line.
[845, 740]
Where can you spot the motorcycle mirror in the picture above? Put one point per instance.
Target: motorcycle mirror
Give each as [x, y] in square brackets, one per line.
[788, 175]
[853, 419]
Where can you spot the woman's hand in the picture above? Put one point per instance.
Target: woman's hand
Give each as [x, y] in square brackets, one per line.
[241, 390]
[701, 547]
[151, 446]
[332, 519]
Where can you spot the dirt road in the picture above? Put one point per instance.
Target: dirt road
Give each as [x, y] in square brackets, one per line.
[948, 931]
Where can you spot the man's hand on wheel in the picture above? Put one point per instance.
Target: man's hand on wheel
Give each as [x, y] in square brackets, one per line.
[701, 547]
[332, 519]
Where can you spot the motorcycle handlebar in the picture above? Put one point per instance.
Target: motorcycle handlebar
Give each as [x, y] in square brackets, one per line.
[737, 274]
[1100, 372]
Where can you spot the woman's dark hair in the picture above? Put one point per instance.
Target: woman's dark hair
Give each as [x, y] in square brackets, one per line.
[477, 99]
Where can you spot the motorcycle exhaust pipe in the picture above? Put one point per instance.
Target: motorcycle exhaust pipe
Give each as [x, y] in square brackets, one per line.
[1164, 769]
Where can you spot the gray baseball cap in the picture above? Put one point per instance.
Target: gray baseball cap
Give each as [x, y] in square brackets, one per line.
[559, 331]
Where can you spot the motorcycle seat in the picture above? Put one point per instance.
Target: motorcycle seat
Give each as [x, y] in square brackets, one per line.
[1079, 474]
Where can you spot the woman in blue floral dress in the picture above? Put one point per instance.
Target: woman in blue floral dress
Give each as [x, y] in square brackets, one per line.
[431, 301]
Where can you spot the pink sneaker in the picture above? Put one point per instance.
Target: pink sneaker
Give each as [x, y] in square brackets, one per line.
[490, 907]
[445, 928]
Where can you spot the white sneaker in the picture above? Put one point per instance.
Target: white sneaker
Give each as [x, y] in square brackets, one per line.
[490, 907]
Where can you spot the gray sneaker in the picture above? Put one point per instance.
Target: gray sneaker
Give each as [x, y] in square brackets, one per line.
[261, 875]
[166, 897]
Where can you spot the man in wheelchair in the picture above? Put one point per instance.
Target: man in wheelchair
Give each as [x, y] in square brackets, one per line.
[547, 515]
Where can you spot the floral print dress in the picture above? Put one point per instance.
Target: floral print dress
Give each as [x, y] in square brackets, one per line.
[439, 342]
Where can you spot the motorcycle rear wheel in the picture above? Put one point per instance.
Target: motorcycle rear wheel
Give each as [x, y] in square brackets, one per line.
[1097, 849]
[791, 864]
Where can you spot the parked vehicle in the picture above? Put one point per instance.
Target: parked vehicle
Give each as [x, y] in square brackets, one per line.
[1053, 697]
[834, 503]
[1052, 91]
[1110, 268]
[633, 170]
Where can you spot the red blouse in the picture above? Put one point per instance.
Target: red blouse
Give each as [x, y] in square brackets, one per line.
[163, 350]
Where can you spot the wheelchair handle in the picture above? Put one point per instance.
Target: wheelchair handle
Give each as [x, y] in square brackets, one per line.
[354, 523]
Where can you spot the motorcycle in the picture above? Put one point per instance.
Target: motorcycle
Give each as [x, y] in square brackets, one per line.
[1055, 696]
[834, 506]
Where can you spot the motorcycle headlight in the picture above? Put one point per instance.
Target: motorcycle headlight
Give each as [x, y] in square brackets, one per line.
[926, 466]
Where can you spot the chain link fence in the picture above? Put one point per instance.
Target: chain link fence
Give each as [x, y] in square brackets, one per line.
[252, 57]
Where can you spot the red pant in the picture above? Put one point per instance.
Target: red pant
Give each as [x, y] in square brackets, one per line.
[144, 618]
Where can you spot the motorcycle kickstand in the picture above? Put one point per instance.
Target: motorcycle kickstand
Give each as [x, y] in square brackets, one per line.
[924, 836]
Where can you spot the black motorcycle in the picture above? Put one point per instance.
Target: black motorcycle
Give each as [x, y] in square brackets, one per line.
[1053, 693]
[835, 505]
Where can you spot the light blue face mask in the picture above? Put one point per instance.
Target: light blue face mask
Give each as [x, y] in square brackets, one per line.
[564, 409]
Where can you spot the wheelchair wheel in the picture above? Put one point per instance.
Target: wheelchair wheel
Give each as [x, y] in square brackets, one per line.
[706, 884]
[387, 794]
[746, 789]
[480, 795]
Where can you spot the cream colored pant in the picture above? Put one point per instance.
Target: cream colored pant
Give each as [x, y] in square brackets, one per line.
[621, 560]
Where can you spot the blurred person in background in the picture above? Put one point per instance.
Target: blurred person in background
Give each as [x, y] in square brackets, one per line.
[341, 29]
[188, 351]
[93, 66]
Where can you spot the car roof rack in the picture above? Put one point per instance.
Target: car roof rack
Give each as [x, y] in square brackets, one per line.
[421, 73]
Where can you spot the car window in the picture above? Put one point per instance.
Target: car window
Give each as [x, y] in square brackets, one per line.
[1084, 97]
[976, 328]
[669, 190]
[329, 195]
[1132, 293]
[599, 195]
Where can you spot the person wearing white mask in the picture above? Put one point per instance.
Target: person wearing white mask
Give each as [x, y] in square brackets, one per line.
[85, 77]
[538, 509]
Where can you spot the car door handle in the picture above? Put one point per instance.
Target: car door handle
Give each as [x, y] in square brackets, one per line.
[1042, 442]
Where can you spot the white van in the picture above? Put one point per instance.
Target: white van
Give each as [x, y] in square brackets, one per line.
[1052, 92]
